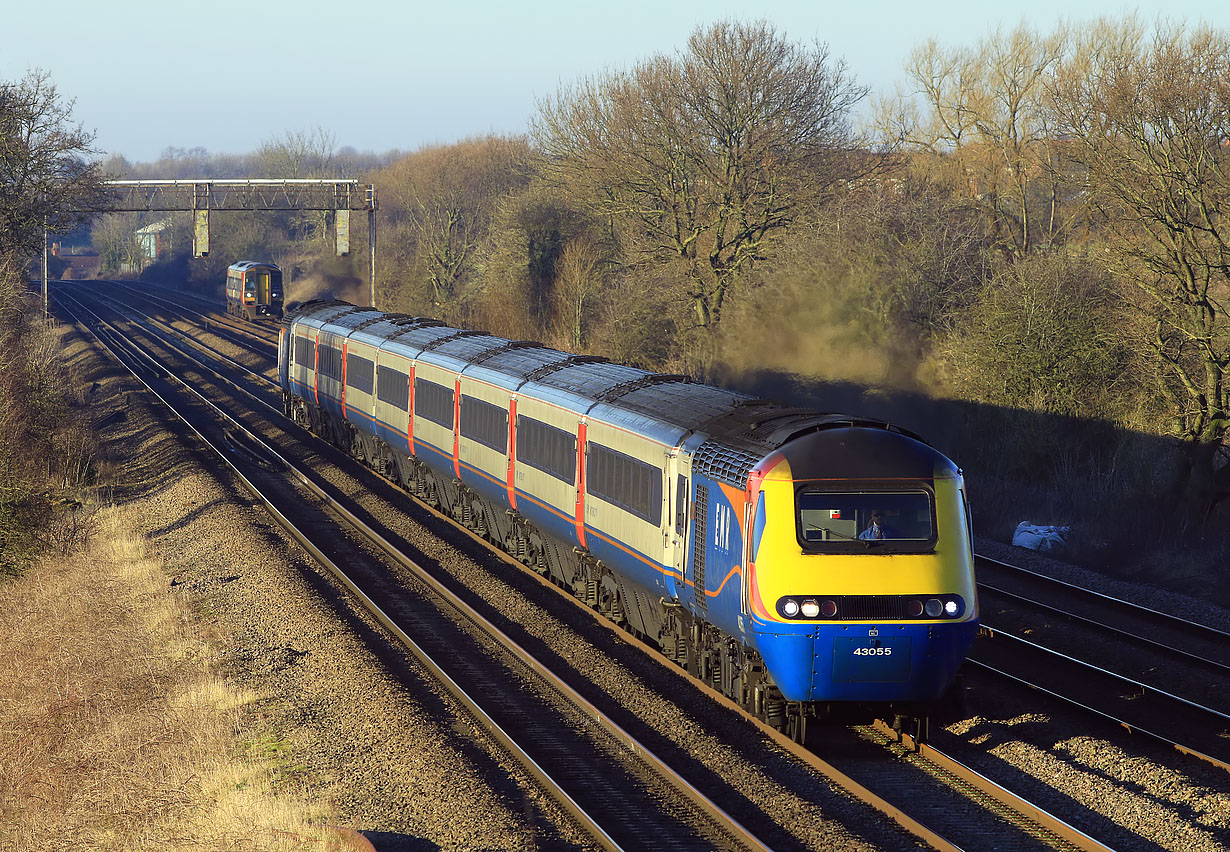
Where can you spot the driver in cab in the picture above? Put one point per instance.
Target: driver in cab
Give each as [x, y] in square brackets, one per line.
[876, 530]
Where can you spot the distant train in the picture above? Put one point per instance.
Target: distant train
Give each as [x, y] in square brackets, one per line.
[254, 290]
[787, 557]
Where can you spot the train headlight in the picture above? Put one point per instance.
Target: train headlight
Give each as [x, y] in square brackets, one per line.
[872, 608]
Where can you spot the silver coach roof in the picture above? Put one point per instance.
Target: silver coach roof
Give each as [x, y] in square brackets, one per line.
[661, 407]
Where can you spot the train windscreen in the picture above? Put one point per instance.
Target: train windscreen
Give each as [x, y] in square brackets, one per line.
[903, 518]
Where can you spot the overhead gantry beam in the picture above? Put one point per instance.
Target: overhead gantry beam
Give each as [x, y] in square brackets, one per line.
[302, 194]
[200, 197]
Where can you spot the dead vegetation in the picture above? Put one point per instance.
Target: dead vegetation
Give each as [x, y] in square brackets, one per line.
[117, 732]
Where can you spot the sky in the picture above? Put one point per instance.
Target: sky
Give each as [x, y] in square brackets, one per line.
[376, 75]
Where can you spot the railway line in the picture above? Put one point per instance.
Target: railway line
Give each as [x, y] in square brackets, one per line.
[1181, 640]
[967, 821]
[556, 752]
[1151, 672]
[1191, 728]
[205, 314]
[1037, 835]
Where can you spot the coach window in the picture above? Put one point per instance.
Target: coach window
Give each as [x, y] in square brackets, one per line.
[547, 448]
[628, 483]
[433, 402]
[331, 362]
[305, 352]
[485, 423]
[359, 372]
[393, 387]
[681, 505]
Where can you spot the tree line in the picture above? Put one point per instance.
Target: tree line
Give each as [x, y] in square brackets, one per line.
[1035, 222]
[1033, 226]
[47, 445]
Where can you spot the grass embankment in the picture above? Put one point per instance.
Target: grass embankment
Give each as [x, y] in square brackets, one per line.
[116, 732]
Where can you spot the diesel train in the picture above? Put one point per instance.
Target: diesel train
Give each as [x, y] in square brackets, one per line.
[792, 559]
[254, 290]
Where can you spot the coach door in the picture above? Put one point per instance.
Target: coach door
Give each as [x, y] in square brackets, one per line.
[680, 471]
[262, 288]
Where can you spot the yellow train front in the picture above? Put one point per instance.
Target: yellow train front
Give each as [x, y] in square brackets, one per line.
[860, 583]
[254, 290]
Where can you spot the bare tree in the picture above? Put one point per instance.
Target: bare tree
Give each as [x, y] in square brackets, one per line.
[299, 154]
[983, 114]
[115, 239]
[446, 197]
[44, 178]
[707, 155]
[295, 154]
[1149, 122]
[578, 279]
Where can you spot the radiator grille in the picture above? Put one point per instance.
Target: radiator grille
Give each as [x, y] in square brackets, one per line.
[871, 607]
[700, 540]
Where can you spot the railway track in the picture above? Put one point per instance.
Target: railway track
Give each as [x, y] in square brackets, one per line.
[1037, 829]
[1181, 636]
[235, 330]
[1149, 671]
[1191, 728]
[597, 783]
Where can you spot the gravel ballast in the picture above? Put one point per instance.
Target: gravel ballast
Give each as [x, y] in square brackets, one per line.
[396, 759]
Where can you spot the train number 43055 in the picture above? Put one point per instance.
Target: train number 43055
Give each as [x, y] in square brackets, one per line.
[873, 652]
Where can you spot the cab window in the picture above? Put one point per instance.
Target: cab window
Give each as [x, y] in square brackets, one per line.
[900, 521]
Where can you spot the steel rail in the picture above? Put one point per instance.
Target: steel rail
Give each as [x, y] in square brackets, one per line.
[554, 788]
[1178, 703]
[1062, 830]
[143, 318]
[726, 822]
[1198, 659]
[1072, 592]
[983, 785]
[209, 322]
[256, 330]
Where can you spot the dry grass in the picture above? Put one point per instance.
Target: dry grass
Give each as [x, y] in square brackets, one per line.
[114, 731]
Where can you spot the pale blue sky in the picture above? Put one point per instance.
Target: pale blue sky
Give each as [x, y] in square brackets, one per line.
[379, 74]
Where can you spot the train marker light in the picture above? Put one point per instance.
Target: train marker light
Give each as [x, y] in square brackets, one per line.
[828, 608]
[790, 607]
[811, 609]
[935, 607]
[914, 608]
[951, 607]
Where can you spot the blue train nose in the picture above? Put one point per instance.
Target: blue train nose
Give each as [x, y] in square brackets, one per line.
[864, 662]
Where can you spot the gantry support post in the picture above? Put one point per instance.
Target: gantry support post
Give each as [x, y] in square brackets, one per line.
[371, 240]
